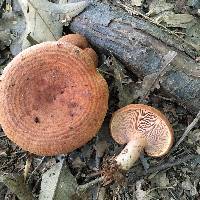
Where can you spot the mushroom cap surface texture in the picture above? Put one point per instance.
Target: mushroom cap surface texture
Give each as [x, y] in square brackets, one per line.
[75, 39]
[52, 99]
[138, 120]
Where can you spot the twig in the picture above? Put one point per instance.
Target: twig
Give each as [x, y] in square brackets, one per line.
[141, 173]
[100, 193]
[11, 161]
[174, 197]
[161, 188]
[188, 129]
[100, 70]
[40, 163]
[27, 166]
[94, 174]
[171, 164]
[36, 186]
[82, 188]
[164, 98]
[2, 136]
[152, 170]
[167, 59]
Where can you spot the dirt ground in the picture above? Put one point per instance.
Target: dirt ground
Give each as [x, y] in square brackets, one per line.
[172, 177]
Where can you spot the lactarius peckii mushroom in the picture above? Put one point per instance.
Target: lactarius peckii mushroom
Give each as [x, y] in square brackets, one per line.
[140, 127]
[52, 99]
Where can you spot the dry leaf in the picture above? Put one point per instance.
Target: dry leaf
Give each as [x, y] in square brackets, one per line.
[44, 19]
[178, 20]
[139, 193]
[100, 148]
[78, 163]
[193, 34]
[187, 185]
[159, 6]
[122, 83]
[194, 136]
[58, 183]
[17, 185]
[148, 80]
[151, 81]
[161, 180]
[198, 150]
[27, 166]
[193, 3]
[136, 2]
[11, 26]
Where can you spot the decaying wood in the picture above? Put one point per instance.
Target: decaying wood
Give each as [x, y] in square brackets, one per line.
[141, 45]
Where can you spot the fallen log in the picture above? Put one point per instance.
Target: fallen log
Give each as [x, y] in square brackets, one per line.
[141, 45]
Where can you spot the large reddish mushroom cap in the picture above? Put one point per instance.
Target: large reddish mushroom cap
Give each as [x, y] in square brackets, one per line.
[52, 99]
[142, 121]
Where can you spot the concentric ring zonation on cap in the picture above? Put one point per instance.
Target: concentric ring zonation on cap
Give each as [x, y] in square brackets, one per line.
[51, 102]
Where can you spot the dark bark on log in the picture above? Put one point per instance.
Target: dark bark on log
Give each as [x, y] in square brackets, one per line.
[141, 45]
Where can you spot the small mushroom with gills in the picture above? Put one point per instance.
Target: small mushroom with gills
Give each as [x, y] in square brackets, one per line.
[140, 127]
[52, 99]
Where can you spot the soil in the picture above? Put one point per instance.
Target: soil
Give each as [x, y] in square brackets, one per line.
[172, 177]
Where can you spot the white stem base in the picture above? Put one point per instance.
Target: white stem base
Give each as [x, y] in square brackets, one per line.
[130, 153]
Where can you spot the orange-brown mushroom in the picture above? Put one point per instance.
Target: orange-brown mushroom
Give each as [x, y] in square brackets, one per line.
[52, 99]
[141, 127]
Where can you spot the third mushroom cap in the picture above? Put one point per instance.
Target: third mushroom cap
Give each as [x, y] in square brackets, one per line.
[141, 127]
